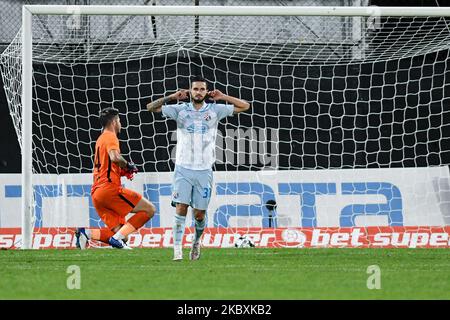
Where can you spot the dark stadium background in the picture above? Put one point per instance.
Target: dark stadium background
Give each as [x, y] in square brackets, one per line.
[415, 133]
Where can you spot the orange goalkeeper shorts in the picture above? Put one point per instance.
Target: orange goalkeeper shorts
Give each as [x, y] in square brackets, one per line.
[113, 204]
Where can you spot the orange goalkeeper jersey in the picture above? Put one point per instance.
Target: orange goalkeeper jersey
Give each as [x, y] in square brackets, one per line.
[106, 173]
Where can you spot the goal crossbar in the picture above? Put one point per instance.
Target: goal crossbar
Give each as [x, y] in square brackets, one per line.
[237, 10]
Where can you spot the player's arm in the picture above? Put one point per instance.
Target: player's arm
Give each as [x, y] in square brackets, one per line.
[155, 106]
[117, 158]
[239, 104]
[128, 168]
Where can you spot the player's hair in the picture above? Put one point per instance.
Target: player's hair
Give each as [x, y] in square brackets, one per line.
[107, 115]
[199, 79]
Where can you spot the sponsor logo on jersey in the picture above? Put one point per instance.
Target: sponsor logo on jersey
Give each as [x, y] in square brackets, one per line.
[207, 116]
[197, 129]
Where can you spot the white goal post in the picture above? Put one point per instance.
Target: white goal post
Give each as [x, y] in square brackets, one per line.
[27, 55]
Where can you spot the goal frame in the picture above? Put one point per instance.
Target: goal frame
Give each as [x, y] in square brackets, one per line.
[27, 55]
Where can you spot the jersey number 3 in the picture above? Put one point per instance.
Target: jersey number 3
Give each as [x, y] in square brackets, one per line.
[206, 193]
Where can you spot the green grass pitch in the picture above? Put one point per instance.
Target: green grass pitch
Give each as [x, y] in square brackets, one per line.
[226, 274]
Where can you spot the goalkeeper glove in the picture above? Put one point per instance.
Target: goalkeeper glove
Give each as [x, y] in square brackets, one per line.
[129, 171]
[131, 167]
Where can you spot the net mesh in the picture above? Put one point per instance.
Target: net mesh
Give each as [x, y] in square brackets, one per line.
[326, 92]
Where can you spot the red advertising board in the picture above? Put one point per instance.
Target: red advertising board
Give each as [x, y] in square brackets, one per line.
[355, 237]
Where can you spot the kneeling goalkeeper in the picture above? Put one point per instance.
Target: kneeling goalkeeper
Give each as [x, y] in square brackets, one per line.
[111, 200]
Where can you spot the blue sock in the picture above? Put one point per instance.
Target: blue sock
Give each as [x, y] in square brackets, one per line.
[178, 229]
[199, 227]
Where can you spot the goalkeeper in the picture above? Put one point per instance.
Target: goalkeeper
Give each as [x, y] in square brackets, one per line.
[111, 200]
[197, 130]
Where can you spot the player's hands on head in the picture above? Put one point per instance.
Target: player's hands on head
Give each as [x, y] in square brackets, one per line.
[180, 95]
[215, 94]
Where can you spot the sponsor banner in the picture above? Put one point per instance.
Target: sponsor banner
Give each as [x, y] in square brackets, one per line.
[368, 237]
[303, 198]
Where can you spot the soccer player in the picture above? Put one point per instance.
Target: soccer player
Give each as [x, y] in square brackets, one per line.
[197, 123]
[111, 200]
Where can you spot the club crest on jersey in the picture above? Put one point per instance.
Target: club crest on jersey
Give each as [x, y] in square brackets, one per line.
[207, 117]
[175, 195]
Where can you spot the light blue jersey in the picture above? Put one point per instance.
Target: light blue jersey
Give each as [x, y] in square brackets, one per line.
[196, 132]
[195, 156]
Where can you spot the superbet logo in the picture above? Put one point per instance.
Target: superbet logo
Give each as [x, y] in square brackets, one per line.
[381, 237]
[292, 238]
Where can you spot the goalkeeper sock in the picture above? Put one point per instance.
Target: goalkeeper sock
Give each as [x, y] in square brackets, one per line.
[101, 234]
[199, 227]
[119, 235]
[178, 229]
[134, 223]
[138, 220]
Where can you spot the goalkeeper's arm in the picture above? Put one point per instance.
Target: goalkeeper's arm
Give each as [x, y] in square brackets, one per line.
[116, 157]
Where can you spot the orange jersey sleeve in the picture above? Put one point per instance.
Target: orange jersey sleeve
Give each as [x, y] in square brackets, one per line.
[105, 171]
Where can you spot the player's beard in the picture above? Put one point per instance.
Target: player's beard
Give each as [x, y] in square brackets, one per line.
[198, 100]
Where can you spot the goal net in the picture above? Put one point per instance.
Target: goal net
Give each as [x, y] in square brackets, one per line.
[349, 122]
